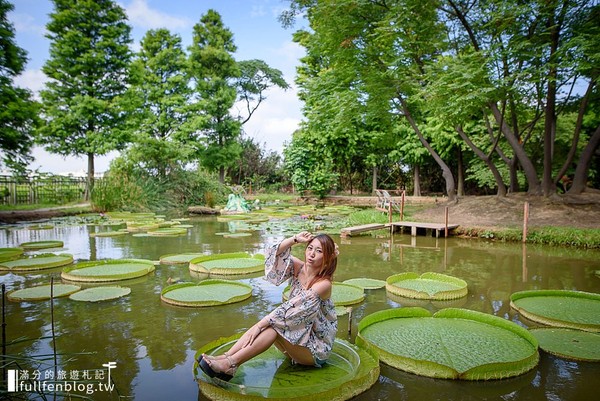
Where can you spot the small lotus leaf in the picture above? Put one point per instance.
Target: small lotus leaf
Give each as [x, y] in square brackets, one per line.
[366, 283]
[109, 233]
[179, 258]
[168, 231]
[103, 293]
[237, 235]
[206, 293]
[568, 343]
[42, 292]
[41, 244]
[37, 262]
[559, 308]
[451, 344]
[228, 263]
[428, 285]
[108, 270]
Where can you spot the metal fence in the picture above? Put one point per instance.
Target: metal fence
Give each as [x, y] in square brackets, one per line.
[51, 190]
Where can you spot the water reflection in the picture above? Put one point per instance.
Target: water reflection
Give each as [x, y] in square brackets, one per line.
[154, 343]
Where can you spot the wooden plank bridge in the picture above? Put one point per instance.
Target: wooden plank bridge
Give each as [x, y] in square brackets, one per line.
[437, 228]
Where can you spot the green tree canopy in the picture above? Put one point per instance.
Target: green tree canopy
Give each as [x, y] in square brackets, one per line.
[87, 70]
[18, 116]
[158, 104]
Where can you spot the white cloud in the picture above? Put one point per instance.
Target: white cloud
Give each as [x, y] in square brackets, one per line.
[33, 80]
[25, 23]
[142, 15]
[276, 119]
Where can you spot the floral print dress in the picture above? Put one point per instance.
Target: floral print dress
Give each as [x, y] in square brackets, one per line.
[304, 319]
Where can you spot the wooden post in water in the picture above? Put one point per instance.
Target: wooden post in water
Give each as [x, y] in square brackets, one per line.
[525, 220]
[446, 223]
[390, 217]
[402, 205]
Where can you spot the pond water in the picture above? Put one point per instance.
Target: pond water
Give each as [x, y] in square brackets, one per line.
[153, 343]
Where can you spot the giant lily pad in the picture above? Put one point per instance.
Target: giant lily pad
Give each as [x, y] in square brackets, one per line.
[559, 308]
[10, 253]
[349, 371]
[341, 294]
[228, 263]
[206, 293]
[426, 286]
[179, 258]
[37, 262]
[41, 245]
[568, 343]
[108, 270]
[42, 292]
[451, 344]
[103, 293]
[366, 283]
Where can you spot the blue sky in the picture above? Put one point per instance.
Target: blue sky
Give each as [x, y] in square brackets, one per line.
[257, 34]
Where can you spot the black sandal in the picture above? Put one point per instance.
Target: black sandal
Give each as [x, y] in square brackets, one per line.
[210, 372]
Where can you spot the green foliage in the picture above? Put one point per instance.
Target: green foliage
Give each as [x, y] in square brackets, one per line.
[212, 67]
[87, 71]
[157, 102]
[127, 187]
[19, 112]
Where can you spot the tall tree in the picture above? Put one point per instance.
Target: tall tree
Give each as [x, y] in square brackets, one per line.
[256, 78]
[158, 98]
[87, 71]
[214, 132]
[18, 116]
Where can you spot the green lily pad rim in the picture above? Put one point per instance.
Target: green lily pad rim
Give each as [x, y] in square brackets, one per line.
[117, 290]
[442, 371]
[42, 244]
[7, 254]
[196, 263]
[392, 287]
[563, 332]
[232, 300]
[366, 376]
[164, 259]
[65, 259]
[69, 289]
[551, 321]
[366, 283]
[67, 275]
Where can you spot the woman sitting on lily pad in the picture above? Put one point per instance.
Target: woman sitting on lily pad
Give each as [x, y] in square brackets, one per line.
[304, 327]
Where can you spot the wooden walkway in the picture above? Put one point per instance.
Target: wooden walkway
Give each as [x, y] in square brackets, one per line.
[414, 227]
[350, 231]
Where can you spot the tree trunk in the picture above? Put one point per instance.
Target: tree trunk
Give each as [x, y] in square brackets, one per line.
[533, 183]
[460, 177]
[581, 172]
[222, 175]
[374, 187]
[90, 177]
[416, 180]
[487, 160]
[548, 186]
[446, 172]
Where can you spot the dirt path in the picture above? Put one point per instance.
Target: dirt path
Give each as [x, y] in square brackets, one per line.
[582, 211]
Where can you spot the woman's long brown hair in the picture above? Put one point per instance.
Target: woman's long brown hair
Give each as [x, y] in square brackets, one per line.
[329, 259]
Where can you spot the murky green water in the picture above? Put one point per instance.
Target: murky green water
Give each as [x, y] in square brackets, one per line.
[154, 343]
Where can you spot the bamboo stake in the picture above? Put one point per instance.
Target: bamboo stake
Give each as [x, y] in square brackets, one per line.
[3, 333]
[446, 223]
[402, 205]
[525, 220]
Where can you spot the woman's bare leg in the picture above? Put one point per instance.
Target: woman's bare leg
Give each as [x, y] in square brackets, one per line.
[238, 354]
